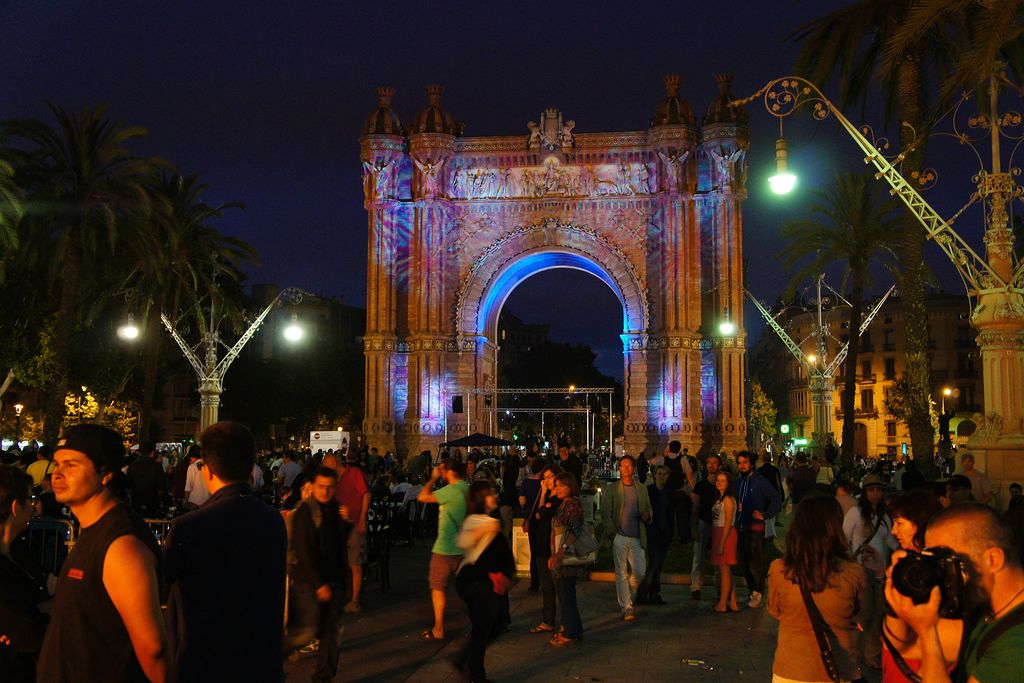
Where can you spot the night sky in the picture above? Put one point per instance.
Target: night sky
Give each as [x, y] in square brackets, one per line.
[265, 100]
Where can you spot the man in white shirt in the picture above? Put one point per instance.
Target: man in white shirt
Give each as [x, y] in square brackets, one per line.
[980, 485]
[196, 492]
[289, 470]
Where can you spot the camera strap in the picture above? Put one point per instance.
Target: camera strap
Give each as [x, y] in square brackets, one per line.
[822, 631]
[901, 663]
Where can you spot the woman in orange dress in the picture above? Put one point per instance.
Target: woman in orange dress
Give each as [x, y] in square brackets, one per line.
[723, 542]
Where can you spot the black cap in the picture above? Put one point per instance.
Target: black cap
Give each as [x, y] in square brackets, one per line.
[102, 445]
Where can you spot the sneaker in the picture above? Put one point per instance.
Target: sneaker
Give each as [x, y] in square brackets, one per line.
[629, 615]
[353, 608]
[755, 600]
[311, 647]
[695, 595]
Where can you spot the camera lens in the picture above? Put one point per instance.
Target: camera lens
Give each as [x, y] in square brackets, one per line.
[915, 575]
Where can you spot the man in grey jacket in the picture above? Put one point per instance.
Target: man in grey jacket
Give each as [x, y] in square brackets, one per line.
[626, 509]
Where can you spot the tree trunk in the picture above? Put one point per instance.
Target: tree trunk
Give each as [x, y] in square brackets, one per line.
[149, 382]
[63, 328]
[850, 384]
[922, 435]
[6, 384]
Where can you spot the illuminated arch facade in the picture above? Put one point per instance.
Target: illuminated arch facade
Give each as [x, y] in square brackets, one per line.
[456, 223]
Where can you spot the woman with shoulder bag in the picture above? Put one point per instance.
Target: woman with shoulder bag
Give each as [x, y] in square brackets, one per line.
[816, 592]
[868, 529]
[484, 577]
[566, 526]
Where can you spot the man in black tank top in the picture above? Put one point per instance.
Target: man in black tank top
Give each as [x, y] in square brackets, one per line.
[106, 623]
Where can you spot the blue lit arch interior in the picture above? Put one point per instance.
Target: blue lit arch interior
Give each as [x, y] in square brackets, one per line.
[511, 276]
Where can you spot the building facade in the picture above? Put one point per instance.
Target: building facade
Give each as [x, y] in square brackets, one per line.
[956, 381]
[457, 222]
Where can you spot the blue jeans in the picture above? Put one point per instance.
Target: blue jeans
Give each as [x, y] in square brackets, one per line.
[571, 621]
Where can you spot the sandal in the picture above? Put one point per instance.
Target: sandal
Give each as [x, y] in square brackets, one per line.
[429, 635]
[541, 628]
[561, 641]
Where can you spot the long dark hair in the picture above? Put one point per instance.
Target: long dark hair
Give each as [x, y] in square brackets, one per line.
[476, 503]
[866, 512]
[569, 479]
[815, 542]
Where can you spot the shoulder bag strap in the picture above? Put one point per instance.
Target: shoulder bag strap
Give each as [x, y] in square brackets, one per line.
[536, 501]
[869, 537]
[822, 631]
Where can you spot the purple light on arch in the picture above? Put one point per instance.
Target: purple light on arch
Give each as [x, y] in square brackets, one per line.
[532, 263]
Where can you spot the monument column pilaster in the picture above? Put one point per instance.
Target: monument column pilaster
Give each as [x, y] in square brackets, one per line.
[430, 335]
[725, 139]
[381, 155]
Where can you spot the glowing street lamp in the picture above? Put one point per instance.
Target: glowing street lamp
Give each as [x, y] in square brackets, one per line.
[783, 181]
[946, 391]
[293, 332]
[17, 422]
[727, 328]
[129, 331]
[812, 359]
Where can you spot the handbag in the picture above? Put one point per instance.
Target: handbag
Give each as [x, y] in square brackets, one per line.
[583, 550]
[822, 631]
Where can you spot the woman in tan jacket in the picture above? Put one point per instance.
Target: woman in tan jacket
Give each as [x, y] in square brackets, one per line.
[817, 558]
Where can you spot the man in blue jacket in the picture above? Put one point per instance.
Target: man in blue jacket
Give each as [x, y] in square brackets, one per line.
[758, 501]
[225, 566]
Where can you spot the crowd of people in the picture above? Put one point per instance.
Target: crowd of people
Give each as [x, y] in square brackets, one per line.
[127, 608]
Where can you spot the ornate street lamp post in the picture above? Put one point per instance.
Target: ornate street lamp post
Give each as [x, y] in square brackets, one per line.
[995, 283]
[17, 422]
[209, 369]
[820, 371]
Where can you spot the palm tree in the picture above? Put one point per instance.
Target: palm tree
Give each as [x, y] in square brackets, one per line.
[848, 224]
[981, 39]
[850, 43]
[903, 45]
[84, 189]
[10, 214]
[180, 262]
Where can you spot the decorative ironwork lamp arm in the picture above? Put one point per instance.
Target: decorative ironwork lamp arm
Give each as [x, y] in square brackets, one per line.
[783, 96]
[845, 349]
[185, 349]
[786, 339]
[293, 294]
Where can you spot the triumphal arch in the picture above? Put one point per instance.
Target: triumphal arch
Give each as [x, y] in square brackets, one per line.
[456, 222]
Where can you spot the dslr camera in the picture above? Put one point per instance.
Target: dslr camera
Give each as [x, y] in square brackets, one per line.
[916, 574]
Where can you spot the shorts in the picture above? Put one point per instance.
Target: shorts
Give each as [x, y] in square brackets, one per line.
[356, 548]
[441, 568]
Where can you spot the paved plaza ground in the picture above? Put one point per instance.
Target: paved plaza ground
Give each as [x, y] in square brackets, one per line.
[683, 640]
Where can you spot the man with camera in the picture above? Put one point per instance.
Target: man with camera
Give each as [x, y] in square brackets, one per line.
[982, 550]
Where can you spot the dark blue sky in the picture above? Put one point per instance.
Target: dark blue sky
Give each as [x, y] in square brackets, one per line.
[265, 101]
